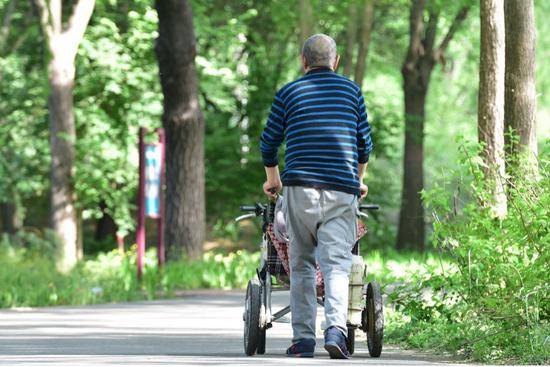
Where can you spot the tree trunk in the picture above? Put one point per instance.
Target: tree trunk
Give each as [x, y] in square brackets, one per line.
[351, 34]
[105, 226]
[11, 217]
[364, 41]
[411, 231]
[184, 127]
[491, 100]
[62, 137]
[421, 57]
[63, 46]
[306, 20]
[79, 235]
[124, 8]
[416, 71]
[520, 95]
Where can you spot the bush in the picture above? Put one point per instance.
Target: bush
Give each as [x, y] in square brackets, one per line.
[28, 275]
[493, 304]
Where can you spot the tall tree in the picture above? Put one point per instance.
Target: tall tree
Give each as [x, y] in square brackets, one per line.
[365, 30]
[9, 208]
[422, 55]
[11, 219]
[491, 100]
[184, 125]
[351, 35]
[519, 93]
[306, 20]
[63, 41]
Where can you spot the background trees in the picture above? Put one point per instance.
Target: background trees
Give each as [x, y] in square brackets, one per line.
[422, 55]
[365, 31]
[358, 36]
[62, 42]
[491, 100]
[507, 98]
[11, 211]
[184, 126]
[519, 92]
[245, 51]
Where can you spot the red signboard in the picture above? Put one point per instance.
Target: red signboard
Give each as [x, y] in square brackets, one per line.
[150, 194]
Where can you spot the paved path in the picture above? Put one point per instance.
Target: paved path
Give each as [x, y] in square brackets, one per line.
[198, 329]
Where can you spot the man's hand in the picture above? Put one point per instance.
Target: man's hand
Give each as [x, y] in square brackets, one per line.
[273, 184]
[271, 188]
[364, 190]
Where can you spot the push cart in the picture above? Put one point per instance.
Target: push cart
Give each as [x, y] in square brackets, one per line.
[365, 311]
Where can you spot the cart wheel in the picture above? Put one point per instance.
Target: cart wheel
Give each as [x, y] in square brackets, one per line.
[261, 343]
[252, 317]
[350, 343]
[373, 319]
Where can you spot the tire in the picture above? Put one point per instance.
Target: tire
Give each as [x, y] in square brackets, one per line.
[350, 342]
[373, 319]
[261, 343]
[251, 318]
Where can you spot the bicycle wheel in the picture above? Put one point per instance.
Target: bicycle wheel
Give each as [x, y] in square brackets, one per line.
[373, 319]
[252, 318]
[261, 343]
[350, 342]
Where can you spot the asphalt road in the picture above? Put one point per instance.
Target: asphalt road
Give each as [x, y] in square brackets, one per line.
[197, 329]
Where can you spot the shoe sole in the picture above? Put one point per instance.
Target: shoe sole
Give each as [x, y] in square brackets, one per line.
[301, 355]
[335, 352]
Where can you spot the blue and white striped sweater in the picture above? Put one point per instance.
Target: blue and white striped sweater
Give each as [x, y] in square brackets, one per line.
[323, 118]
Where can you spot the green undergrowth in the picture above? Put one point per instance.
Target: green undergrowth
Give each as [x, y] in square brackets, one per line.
[28, 275]
[493, 303]
[30, 279]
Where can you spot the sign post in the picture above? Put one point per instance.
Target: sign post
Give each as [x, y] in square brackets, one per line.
[140, 231]
[160, 225]
[150, 194]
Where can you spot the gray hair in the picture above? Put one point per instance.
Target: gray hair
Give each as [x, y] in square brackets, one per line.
[319, 50]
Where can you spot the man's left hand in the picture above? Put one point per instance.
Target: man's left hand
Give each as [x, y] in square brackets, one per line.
[272, 187]
[364, 190]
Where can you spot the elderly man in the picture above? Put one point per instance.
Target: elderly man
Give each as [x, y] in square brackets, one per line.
[322, 116]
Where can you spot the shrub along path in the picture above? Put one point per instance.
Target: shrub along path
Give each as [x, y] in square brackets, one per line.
[200, 328]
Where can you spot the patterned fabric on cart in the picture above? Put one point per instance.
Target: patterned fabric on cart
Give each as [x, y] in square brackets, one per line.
[282, 255]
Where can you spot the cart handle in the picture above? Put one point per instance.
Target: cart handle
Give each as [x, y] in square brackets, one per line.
[257, 209]
[369, 207]
[245, 216]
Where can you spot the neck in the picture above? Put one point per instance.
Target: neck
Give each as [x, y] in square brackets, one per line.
[308, 69]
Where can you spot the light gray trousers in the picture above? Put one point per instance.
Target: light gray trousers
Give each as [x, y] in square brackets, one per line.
[322, 225]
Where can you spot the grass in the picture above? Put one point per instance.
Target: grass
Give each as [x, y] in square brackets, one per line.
[29, 276]
[29, 280]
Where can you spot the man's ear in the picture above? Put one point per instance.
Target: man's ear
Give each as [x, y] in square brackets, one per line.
[336, 62]
[303, 62]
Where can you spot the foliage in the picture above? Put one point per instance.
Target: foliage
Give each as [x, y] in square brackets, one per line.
[493, 303]
[31, 281]
[29, 278]
[116, 93]
[24, 152]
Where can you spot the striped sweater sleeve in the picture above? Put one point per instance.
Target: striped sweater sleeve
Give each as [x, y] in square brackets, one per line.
[273, 133]
[364, 141]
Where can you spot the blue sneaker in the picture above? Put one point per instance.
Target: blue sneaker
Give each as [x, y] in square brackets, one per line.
[303, 348]
[335, 343]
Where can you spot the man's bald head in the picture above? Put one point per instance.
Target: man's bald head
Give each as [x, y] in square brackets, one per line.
[319, 50]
